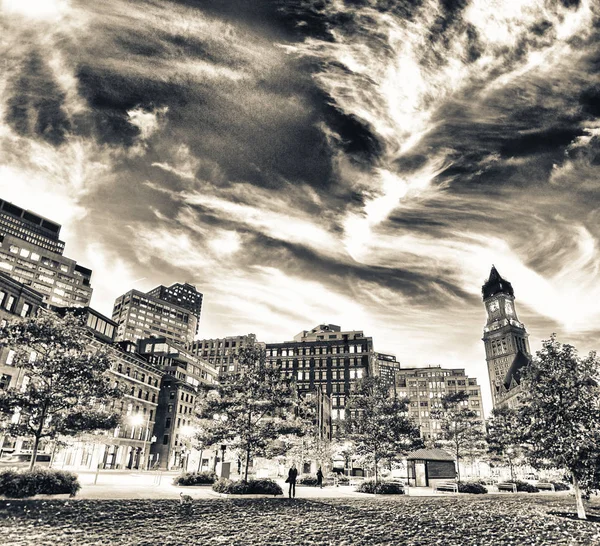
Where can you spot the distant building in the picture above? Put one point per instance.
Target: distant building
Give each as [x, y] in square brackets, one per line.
[223, 352]
[184, 295]
[16, 301]
[184, 374]
[31, 253]
[424, 388]
[128, 445]
[505, 338]
[385, 367]
[140, 315]
[30, 227]
[328, 358]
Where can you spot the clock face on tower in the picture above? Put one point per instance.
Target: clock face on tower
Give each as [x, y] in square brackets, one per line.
[493, 306]
[508, 307]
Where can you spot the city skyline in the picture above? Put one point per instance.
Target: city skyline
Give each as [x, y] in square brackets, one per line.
[300, 163]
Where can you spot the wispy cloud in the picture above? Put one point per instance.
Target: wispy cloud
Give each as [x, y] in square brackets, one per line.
[301, 161]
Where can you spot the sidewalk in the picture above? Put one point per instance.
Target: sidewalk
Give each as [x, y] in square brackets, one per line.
[159, 485]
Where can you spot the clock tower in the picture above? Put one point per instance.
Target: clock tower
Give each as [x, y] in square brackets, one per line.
[504, 336]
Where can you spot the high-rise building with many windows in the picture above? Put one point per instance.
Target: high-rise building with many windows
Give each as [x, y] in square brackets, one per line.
[31, 253]
[140, 315]
[328, 358]
[223, 352]
[425, 387]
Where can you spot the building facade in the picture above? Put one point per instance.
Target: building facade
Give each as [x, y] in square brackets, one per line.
[385, 367]
[424, 388]
[31, 253]
[327, 358]
[28, 226]
[140, 315]
[223, 353]
[184, 374]
[16, 301]
[505, 339]
[128, 445]
[183, 295]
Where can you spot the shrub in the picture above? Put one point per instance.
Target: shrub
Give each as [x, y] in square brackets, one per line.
[39, 481]
[524, 487]
[307, 480]
[251, 487]
[342, 479]
[195, 478]
[560, 486]
[382, 488]
[471, 487]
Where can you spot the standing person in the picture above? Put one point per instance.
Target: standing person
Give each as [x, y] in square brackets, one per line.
[320, 478]
[292, 475]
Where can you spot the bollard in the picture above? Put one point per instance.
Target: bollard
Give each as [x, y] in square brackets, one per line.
[97, 472]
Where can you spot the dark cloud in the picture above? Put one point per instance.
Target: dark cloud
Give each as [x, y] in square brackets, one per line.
[35, 107]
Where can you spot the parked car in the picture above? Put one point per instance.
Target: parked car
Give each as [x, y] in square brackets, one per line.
[23, 460]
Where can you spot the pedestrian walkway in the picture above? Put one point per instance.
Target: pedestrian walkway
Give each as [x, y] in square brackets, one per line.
[159, 485]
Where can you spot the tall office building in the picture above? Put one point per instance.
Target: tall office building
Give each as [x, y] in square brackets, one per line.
[505, 338]
[385, 367]
[424, 388]
[184, 295]
[223, 352]
[328, 358]
[159, 313]
[31, 253]
[185, 373]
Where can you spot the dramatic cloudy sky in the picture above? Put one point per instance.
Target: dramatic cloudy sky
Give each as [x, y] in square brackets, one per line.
[359, 162]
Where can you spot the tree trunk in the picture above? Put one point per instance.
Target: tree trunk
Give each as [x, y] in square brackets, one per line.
[36, 443]
[53, 454]
[200, 461]
[247, 462]
[376, 475]
[457, 464]
[216, 457]
[578, 498]
[512, 471]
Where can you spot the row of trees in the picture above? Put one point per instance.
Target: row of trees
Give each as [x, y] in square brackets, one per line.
[66, 391]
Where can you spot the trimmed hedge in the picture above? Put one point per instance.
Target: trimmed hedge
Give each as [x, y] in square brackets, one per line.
[208, 477]
[560, 486]
[307, 480]
[342, 479]
[382, 488]
[39, 481]
[251, 487]
[473, 488]
[524, 487]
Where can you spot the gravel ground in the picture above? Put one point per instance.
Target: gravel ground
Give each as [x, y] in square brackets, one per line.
[450, 521]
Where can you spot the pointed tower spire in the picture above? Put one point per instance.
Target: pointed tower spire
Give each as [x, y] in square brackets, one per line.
[496, 285]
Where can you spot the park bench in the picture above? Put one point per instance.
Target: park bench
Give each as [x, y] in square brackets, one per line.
[508, 486]
[451, 487]
[545, 485]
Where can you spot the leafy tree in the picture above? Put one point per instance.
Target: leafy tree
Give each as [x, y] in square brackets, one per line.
[309, 443]
[461, 427]
[64, 381]
[377, 423]
[504, 437]
[560, 414]
[250, 409]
